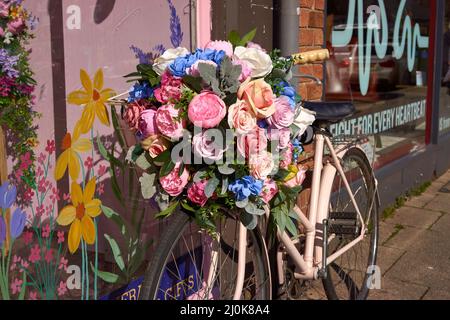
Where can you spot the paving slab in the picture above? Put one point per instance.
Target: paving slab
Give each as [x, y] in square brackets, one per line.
[386, 230]
[422, 201]
[405, 238]
[442, 225]
[426, 263]
[414, 217]
[387, 257]
[434, 294]
[441, 203]
[392, 289]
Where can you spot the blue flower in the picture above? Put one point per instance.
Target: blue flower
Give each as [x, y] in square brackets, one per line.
[140, 91]
[179, 67]
[7, 196]
[246, 187]
[17, 224]
[283, 88]
[263, 124]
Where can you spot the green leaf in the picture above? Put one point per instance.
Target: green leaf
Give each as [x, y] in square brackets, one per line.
[248, 37]
[187, 207]
[148, 188]
[234, 37]
[251, 208]
[195, 83]
[163, 157]
[105, 276]
[166, 169]
[199, 176]
[116, 252]
[169, 211]
[24, 287]
[248, 220]
[211, 187]
[143, 163]
[225, 185]
[137, 152]
[117, 129]
[291, 227]
[102, 149]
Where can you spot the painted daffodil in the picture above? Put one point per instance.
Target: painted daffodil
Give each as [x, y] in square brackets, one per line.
[93, 97]
[71, 145]
[79, 215]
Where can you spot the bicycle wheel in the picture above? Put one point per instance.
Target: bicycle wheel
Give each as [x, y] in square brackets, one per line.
[181, 264]
[348, 276]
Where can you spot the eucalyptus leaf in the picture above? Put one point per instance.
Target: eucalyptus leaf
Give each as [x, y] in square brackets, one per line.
[143, 163]
[211, 187]
[226, 170]
[199, 176]
[242, 204]
[249, 221]
[251, 208]
[116, 252]
[225, 185]
[148, 187]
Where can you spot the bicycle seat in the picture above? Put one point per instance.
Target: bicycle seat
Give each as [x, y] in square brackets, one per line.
[331, 112]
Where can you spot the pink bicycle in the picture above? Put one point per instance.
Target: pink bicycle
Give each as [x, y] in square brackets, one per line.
[337, 243]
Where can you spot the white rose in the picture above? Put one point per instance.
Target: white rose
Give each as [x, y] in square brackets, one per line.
[167, 58]
[261, 165]
[304, 119]
[259, 61]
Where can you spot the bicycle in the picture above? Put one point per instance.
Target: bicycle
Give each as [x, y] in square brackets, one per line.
[190, 264]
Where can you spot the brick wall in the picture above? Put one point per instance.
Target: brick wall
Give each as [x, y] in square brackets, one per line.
[311, 38]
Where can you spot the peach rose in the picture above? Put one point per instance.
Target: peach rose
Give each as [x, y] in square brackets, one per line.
[259, 95]
[261, 165]
[173, 183]
[207, 110]
[300, 176]
[167, 123]
[241, 117]
[155, 145]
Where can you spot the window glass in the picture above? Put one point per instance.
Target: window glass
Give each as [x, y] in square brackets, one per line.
[380, 62]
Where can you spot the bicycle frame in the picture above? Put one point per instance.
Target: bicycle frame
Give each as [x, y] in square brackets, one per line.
[311, 263]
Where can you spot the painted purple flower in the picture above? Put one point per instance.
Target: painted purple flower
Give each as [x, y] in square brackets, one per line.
[176, 35]
[18, 220]
[8, 63]
[2, 230]
[7, 195]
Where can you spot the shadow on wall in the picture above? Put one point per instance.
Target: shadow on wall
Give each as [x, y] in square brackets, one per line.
[103, 9]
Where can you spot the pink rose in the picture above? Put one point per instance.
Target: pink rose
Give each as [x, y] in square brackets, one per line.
[298, 179]
[221, 46]
[155, 145]
[241, 117]
[193, 71]
[287, 157]
[16, 26]
[173, 183]
[283, 116]
[206, 147]
[252, 143]
[207, 110]
[270, 190]
[283, 136]
[147, 123]
[167, 122]
[170, 89]
[196, 193]
[259, 95]
[261, 165]
[246, 69]
[4, 9]
[252, 45]
[2, 32]
[132, 114]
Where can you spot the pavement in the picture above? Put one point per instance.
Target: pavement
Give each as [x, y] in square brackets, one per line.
[414, 251]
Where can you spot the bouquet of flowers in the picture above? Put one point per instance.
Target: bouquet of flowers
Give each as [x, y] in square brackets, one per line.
[219, 128]
[17, 86]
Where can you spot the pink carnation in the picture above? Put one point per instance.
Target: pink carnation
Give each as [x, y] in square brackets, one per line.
[16, 26]
[147, 123]
[170, 90]
[283, 116]
[221, 46]
[196, 193]
[173, 183]
[207, 110]
[167, 122]
[270, 190]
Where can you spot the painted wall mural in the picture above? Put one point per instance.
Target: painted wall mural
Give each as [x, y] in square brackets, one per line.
[61, 237]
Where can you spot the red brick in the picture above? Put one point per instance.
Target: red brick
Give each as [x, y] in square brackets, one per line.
[318, 37]
[306, 37]
[307, 4]
[303, 91]
[316, 19]
[314, 91]
[304, 18]
[317, 71]
[319, 5]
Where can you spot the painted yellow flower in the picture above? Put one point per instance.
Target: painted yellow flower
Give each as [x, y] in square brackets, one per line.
[69, 158]
[79, 215]
[93, 97]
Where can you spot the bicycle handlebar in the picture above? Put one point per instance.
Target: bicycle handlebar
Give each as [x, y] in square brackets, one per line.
[311, 56]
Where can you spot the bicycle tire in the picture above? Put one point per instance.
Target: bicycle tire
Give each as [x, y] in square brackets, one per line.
[362, 292]
[168, 241]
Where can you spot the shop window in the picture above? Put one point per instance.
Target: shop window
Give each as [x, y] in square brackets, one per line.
[444, 110]
[380, 62]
